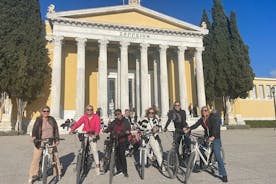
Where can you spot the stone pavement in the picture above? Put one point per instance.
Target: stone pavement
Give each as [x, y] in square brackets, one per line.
[250, 159]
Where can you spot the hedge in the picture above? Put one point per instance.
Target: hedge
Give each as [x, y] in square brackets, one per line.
[261, 123]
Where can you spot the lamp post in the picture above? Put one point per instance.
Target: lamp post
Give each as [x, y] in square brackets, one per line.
[273, 95]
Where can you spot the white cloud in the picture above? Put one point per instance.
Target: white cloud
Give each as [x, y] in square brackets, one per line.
[273, 73]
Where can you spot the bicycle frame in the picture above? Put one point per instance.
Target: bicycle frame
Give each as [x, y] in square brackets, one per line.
[199, 154]
[44, 154]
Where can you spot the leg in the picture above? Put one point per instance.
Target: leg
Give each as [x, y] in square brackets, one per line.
[217, 152]
[156, 150]
[96, 156]
[57, 168]
[35, 163]
[123, 157]
[118, 159]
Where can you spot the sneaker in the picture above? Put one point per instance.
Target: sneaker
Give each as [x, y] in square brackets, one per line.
[126, 175]
[118, 173]
[224, 179]
[98, 172]
[163, 169]
[30, 181]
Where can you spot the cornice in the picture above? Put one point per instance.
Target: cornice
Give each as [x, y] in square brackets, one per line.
[119, 27]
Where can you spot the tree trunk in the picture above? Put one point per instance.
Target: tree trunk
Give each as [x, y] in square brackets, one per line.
[21, 105]
[2, 105]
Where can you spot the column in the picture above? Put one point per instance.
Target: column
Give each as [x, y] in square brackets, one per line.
[118, 104]
[124, 76]
[144, 77]
[102, 78]
[200, 78]
[155, 76]
[137, 76]
[182, 78]
[56, 78]
[164, 81]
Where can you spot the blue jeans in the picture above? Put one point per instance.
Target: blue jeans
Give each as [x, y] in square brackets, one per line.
[217, 152]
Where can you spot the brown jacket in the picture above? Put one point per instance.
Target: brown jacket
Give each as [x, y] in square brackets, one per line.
[37, 128]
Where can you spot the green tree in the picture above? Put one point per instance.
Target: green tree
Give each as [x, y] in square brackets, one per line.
[208, 64]
[221, 48]
[23, 52]
[242, 73]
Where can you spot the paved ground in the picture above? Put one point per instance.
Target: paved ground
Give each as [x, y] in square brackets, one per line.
[250, 158]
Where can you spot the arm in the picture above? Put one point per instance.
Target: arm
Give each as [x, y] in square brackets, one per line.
[194, 126]
[170, 118]
[97, 125]
[77, 124]
[34, 130]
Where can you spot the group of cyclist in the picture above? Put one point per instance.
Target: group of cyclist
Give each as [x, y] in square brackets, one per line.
[46, 126]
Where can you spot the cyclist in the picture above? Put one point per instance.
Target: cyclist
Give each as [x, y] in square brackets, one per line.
[151, 123]
[121, 127]
[45, 126]
[178, 116]
[211, 124]
[92, 125]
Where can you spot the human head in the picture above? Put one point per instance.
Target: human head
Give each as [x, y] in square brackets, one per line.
[177, 105]
[150, 112]
[118, 114]
[204, 111]
[89, 110]
[45, 111]
[127, 112]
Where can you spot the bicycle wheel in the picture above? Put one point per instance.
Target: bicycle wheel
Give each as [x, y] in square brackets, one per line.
[190, 166]
[79, 168]
[44, 169]
[172, 163]
[142, 168]
[111, 166]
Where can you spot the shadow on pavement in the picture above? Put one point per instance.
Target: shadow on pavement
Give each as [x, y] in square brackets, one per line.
[66, 161]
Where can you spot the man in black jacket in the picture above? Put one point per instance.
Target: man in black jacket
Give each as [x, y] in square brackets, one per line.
[211, 126]
[121, 127]
[178, 116]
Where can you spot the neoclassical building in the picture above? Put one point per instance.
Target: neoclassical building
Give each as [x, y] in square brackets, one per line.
[128, 56]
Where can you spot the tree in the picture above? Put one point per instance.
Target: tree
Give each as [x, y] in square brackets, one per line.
[208, 64]
[242, 73]
[24, 52]
[221, 48]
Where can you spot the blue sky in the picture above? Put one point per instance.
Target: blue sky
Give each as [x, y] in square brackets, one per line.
[256, 21]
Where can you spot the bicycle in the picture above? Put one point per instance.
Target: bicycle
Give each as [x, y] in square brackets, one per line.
[176, 156]
[47, 161]
[201, 150]
[82, 165]
[150, 158]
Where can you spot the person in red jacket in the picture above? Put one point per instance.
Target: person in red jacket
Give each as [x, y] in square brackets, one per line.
[91, 124]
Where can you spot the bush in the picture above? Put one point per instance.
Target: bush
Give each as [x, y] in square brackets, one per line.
[237, 127]
[10, 133]
[261, 123]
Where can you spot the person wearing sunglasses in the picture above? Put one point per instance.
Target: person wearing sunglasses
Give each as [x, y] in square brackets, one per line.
[211, 124]
[44, 127]
[151, 124]
[178, 117]
[120, 127]
[91, 124]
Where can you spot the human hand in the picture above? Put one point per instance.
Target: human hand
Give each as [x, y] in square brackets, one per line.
[57, 143]
[71, 132]
[186, 130]
[211, 139]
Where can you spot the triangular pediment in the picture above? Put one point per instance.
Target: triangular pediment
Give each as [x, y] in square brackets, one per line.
[128, 15]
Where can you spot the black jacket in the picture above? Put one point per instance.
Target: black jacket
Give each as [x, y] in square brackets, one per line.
[212, 128]
[119, 127]
[178, 118]
[37, 128]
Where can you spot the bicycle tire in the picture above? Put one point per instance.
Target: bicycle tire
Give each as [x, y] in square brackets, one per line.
[79, 168]
[111, 166]
[172, 163]
[44, 169]
[142, 169]
[190, 167]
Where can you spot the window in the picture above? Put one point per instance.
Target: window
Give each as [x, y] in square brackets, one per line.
[261, 91]
[253, 93]
[268, 91]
